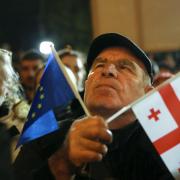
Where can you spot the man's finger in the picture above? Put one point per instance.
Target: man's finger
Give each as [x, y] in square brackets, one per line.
[98, 134]
[94, 146]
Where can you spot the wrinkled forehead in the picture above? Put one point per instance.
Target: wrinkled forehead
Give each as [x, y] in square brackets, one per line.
[118, 53]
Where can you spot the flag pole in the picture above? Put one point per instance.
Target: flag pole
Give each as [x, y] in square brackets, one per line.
[126, 108]
[74, 89]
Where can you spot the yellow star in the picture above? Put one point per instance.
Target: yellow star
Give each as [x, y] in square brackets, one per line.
[39, 106]
[42, 96]
[33, 115]
[41, 88]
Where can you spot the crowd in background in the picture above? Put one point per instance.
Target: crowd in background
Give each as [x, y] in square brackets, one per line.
[165, 63]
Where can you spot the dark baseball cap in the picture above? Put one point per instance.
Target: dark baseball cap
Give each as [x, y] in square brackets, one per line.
[116, 40]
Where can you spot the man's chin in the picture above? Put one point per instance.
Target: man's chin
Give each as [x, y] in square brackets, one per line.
[104, 111]
[123, 120]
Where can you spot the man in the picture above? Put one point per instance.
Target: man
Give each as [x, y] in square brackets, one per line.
[74, 60]
[90, 148]
[30, 63]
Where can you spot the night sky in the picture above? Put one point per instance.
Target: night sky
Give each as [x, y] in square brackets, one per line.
[25, 23]
[20, 23]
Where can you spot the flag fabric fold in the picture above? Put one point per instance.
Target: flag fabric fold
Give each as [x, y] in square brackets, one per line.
[159, 115]
[53, 91]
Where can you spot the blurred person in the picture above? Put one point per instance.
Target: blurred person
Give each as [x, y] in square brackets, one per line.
[13, 108]
[161, 77]
[170, 61]
[165, 68]
[74, 60]
[119, 73]
[29, 64]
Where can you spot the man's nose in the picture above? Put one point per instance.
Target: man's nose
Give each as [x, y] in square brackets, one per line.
[109, 70]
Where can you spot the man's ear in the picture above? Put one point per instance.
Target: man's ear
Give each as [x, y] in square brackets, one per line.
[148, 88]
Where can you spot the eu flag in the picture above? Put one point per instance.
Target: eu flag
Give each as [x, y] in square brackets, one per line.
[53, 91]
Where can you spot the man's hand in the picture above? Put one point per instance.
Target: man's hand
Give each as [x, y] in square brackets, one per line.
[86, 140]
[84, 143]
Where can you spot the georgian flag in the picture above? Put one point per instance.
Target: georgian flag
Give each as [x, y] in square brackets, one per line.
[159, 114]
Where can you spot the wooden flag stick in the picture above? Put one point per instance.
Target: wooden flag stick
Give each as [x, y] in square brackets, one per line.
[73, 87]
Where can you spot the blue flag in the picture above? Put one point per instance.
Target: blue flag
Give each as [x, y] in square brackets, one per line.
[53, 91]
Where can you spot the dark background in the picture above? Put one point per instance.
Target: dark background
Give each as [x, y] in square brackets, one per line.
[24, 24]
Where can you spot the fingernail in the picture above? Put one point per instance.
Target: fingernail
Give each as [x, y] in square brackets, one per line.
[100, 156]
[105, 149]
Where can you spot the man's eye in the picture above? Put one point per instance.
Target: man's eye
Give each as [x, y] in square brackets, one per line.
[123, 66]
[99, 65]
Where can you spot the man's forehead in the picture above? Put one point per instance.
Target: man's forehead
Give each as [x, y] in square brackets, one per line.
[31, 61]
[118, 53]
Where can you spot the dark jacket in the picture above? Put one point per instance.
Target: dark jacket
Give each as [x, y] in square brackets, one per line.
[131, 156]
[5, 157]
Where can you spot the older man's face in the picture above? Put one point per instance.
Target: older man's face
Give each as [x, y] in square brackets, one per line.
[116, 79]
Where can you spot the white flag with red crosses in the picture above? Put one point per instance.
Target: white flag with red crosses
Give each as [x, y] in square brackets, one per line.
[159, 114]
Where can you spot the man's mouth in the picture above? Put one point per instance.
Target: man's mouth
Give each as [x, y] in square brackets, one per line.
[105, 86]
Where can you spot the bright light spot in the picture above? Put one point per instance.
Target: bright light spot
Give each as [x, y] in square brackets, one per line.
[45, 47]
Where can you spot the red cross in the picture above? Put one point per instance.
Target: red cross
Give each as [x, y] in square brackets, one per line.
[173, 104]
[154, 114]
